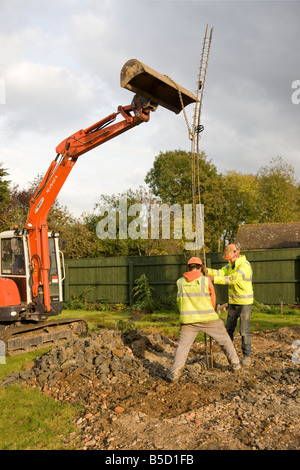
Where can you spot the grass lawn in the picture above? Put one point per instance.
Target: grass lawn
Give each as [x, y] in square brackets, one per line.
[167, 322]
[31, 420]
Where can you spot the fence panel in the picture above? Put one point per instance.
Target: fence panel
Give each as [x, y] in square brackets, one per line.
[101, 278]
[276, 275]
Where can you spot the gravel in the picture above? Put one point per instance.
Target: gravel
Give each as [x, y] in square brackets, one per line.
[119, 379]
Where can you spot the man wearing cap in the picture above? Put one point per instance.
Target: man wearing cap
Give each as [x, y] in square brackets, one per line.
[196, 301]
[237, 274]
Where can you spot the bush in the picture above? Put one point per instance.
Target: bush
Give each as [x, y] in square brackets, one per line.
[143, 292]
[81, 302]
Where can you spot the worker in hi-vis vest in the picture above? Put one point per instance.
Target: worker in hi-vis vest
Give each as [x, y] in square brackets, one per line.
[237, 274]
[196, 301]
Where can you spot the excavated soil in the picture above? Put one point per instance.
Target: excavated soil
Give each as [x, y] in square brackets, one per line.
[119, 378]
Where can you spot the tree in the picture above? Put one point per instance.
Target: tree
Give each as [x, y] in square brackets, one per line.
[107, 221]
[124, 226]
[171, 180]
[4, 185]
[278, 192]
[4, 198]
[80, 242]
[171, 176]
[19, 204]
[241, 205]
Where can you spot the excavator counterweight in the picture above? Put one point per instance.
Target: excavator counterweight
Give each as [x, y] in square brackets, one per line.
[159, 89]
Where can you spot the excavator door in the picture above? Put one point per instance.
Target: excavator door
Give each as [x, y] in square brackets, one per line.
[15, 286]
[157, 88]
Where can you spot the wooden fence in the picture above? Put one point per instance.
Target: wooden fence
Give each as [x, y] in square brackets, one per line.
[276, 276]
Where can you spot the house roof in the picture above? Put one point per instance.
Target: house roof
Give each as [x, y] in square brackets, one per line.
[262, 236]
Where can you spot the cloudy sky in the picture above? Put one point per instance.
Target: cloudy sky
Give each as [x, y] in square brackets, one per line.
[60, 64]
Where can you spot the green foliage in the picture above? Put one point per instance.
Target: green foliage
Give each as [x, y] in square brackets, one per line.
[170, 179]
[262, 308]
[230, 199]
[125, 326]
[4, 185]
[167, 302]
[137, 240]
[241, 202]
[4, 198]
[273, 309]
[278, 192]
[82, 302]
[144, 301]
[143, 293]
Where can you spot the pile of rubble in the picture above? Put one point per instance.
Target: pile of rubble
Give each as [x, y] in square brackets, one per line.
[119, 378]
[106, 355]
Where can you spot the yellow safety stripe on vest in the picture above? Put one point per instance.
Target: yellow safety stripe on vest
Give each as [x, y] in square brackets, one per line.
[238, 280]
[196, 312]
[249, 279]
[202, 293]
[231, 296]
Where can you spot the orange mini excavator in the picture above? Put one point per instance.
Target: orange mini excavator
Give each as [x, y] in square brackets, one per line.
[32, 268]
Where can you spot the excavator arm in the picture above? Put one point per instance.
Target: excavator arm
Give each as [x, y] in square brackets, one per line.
[153, 89]
[67, 153]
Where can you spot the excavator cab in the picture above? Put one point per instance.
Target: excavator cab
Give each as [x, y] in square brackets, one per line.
[17, 307]
[159, 89]
[15, 289]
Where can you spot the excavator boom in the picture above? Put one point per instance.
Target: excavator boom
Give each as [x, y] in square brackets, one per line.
[152, 90]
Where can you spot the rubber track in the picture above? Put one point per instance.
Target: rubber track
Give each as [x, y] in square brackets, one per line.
[29, 337]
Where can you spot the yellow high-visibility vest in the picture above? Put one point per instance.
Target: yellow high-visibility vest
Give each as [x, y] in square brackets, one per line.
[194, 301]
[238, 279]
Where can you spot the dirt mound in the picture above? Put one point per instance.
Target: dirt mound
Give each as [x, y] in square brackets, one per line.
[119, 377]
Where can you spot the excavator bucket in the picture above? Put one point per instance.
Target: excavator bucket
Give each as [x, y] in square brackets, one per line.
[159, 89]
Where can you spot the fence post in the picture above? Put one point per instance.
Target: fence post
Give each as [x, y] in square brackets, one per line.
[66, 290]
[130, 278]
[2, 353]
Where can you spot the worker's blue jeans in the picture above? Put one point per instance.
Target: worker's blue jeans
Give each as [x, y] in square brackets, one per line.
[242, 312]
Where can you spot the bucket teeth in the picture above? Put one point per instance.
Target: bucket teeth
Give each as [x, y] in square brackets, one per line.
[159, 89]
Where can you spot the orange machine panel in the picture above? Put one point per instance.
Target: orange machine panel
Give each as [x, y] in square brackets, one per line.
[9, 293]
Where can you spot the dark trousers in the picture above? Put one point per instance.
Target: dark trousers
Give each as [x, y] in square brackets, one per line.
[243, 312]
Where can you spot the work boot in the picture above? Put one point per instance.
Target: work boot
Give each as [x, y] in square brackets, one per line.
[236, 366]
[171, 377]
[246, 362]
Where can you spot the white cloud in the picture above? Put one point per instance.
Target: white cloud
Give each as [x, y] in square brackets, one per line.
[60, 62]
[44, 97]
